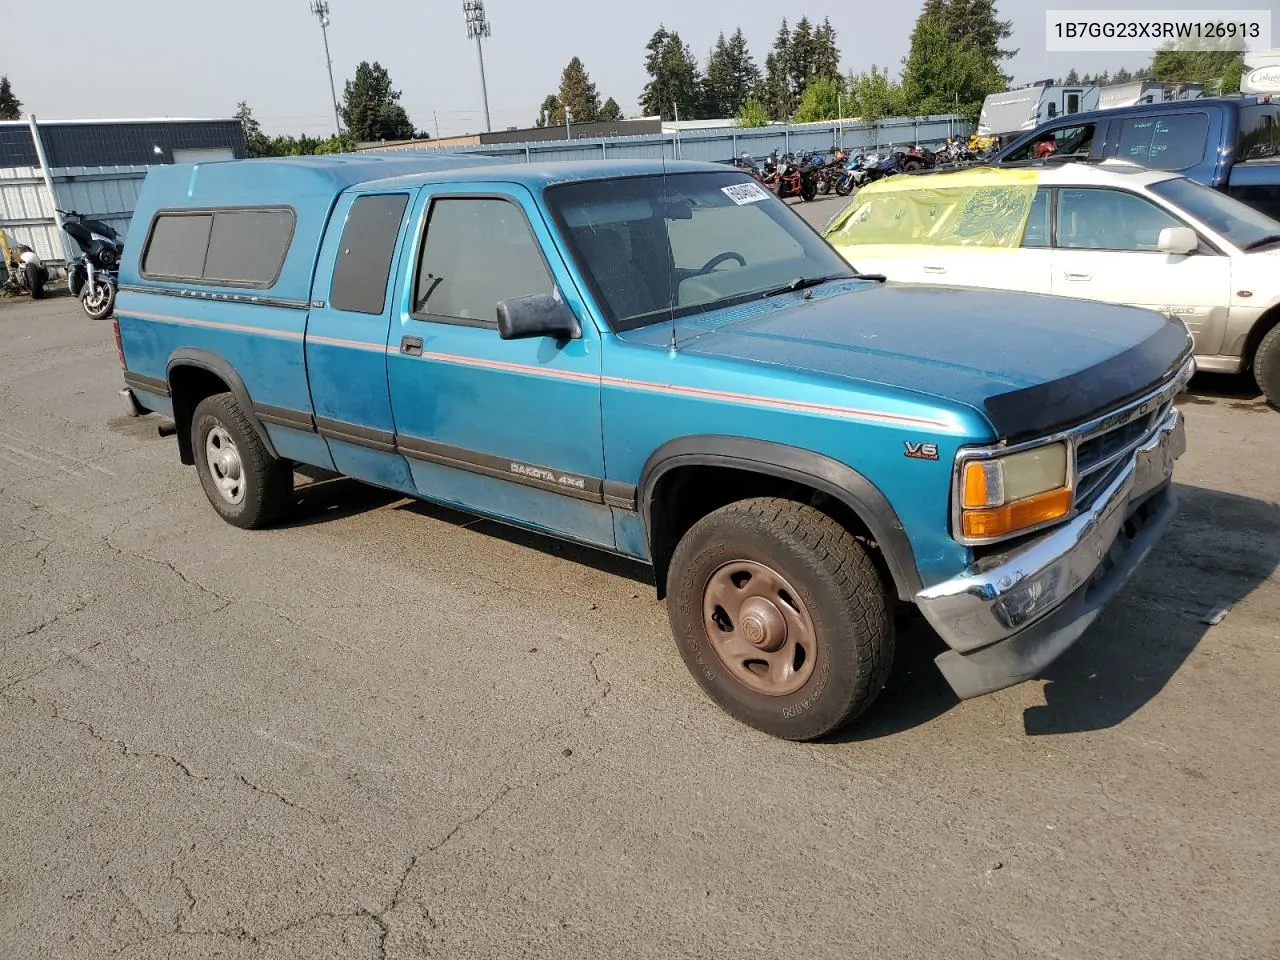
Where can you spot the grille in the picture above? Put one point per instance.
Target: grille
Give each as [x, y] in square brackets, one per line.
[1101, 455]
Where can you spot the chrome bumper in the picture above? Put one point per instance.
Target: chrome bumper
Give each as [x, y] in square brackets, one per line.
[1007, 617]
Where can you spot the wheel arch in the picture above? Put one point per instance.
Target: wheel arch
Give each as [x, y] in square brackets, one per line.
[1265, 323]
[780, 463]
[187, 392]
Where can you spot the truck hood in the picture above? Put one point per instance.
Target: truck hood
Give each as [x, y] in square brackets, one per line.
[1032, 364]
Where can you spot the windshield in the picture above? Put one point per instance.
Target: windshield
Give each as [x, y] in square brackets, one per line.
[1237, 223]
[656, 246]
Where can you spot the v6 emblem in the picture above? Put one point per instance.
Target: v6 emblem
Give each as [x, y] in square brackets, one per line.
[921, 451]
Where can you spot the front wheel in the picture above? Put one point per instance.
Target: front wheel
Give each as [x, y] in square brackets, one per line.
[781, 617]
[808, 190]
[824, 186]
[246, 485]
[1266, 366]
[99, 300]
[844, 187]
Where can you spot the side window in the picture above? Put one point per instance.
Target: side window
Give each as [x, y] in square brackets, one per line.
[1074, 141]
[477, 251]
[178, 246]
[1263, 197]
[363, 267]
[1091, 219]
[244, 248]
[1036, 233]
[1174, 141]
[1259, 133]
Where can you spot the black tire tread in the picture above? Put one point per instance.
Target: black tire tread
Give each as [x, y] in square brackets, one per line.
[271, 495]
[1266, 365]
[833, 552]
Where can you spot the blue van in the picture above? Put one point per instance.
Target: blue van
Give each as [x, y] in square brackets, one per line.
[1230, 143]
[662, 360]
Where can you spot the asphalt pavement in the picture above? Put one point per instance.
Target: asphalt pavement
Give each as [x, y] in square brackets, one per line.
[388, 730]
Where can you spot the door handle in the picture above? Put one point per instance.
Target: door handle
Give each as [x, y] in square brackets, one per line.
[1078, 276]
[930, 269]
[411, 346]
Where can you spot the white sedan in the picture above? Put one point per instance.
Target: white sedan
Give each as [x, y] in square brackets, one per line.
[1110, 231]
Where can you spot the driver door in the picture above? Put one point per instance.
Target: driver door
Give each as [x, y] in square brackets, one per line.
[510, 428]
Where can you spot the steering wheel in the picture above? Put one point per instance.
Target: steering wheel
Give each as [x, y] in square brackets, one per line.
[720, 258]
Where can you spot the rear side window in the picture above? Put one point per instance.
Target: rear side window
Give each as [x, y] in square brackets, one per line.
[241, 248]
[1261, 196]
[1259, 133]
[1174, 141]
[364, 259]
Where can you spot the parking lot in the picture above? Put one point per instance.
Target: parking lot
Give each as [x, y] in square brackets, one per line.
[388, 730]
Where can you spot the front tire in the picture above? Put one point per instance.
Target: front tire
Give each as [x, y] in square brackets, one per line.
[99, 300]
[1266, 366]
[246, 485]
[781, 617]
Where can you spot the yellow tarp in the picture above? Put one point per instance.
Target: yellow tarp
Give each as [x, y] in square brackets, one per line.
[981, 207]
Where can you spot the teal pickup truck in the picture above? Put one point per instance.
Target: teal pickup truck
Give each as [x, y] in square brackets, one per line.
[662, 360]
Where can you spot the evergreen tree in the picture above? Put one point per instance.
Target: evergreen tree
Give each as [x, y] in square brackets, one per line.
[257, 143]
[674, 78]
[10, 106]
[800, 58]
[1122, 76]
[942, 74]
[826, 55]
[731, 77]
[611, 111]
[974, 21]
[578, 93]
[776, 90]
[1073, 78]
[1208, 62]
[371, 109]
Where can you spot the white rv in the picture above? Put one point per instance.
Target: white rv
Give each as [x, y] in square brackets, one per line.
[1016, 111]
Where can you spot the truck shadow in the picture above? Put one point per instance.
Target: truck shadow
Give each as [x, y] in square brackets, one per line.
[1220, 549]
[1209, 388]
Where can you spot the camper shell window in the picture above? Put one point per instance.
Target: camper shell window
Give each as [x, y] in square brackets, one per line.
[1171, 141]
[1259, 133]
[226, 247]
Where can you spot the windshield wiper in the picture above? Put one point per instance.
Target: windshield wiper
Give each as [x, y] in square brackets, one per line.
[800, 283]
[1265, 241]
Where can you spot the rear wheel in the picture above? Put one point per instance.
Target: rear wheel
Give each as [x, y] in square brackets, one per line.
[35, 281]
[781, 617]
[1266, 366]
[246, 485]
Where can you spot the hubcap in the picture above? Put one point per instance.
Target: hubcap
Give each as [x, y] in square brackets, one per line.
[224, 463]
[759, 628]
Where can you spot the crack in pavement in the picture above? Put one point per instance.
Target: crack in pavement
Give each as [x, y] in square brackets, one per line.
[178, 763]
[603, 687]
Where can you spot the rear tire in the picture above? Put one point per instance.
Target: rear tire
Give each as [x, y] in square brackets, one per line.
[1266, 366]
[246, 485]
[781, 617]
[35, 281]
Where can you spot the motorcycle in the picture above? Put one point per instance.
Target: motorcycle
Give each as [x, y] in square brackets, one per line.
[94, 278]
[797, 177]
[917, 157]
[25, 272]
[830, 171]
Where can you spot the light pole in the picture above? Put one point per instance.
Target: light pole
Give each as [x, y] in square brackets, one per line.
[321, 10]
[568, 121]
[477, 29]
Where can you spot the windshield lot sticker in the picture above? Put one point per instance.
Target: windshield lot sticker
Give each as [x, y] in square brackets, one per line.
[743, 193]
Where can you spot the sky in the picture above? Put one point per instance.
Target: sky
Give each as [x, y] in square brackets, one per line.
[179, 58]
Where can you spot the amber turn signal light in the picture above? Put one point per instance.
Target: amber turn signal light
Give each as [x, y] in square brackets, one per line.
[1019, 515]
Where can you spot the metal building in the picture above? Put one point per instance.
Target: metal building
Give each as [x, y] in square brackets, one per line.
[95, 167]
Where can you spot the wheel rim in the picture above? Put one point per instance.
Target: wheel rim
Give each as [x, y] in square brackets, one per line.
[759, 628]
[97, 297]
[223, 458]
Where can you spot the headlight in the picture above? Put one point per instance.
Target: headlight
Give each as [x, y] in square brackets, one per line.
[1000, 496]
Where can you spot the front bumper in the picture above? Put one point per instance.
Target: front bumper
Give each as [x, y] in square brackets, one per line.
[1008, 617]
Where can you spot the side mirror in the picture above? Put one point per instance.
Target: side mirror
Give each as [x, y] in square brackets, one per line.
[542, 315]
[1178, 241]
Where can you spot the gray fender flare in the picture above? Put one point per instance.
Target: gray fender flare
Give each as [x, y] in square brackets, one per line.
[837, 480]
[187, 357]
